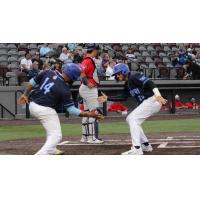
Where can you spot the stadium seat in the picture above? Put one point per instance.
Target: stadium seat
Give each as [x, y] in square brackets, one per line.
[12, 46]
[134, 66]
[149, 60]
[142, 48]
[175, 49]
[33, 46]
[23, 47]
[153, 53]
[13, 53]
[22, 53]
[150, 48]
[137, 53]
[3, 61]
[169, 65]
[3, 47]
[13, 67]
[162, 54]
[32, 52]
[13, 60]
[11, 79]
[145, 53]
[166, 60]
[3, 54]
[166, 48]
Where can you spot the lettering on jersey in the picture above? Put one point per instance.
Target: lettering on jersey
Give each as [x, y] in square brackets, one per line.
[46, 86]
[136, 93]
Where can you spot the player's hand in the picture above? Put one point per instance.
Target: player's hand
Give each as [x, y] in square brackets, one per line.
[102, 98]
[161, 100]
[90, 85]
[23, 100]
[95, 114]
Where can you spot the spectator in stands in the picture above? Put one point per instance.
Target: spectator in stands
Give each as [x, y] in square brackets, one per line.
[191, 104]
[192, 70]
[66, 56]
[130, 56]
[98, 62]
[34, 70]
[109, 70]
[57, 65]
[78, 55]
[178, 103]
[117, 107]
[45, 49]
[37, 58]
[105, 62]
[26, 63]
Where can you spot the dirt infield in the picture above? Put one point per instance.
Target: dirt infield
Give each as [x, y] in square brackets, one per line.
[163, 144]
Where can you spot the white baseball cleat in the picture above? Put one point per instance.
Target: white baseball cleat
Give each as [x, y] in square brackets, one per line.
[92, 140]
[133, 151]
[147, 148]
[58, 152]
[84, 139]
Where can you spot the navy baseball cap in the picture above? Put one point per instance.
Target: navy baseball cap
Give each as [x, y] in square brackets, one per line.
[91, 46]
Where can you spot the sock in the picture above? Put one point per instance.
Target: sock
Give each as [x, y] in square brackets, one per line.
[146, 143]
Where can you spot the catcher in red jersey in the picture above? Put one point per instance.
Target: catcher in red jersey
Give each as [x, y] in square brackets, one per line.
[89, 92]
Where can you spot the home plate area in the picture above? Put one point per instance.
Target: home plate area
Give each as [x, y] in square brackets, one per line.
[163, 144]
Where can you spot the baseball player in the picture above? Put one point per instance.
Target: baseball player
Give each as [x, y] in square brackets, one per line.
[88, 91]
[49, 89]
[149, 102]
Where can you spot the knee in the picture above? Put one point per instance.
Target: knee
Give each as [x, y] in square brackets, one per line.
[131, 119]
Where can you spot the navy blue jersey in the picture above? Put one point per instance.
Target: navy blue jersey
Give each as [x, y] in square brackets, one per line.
[138, 86]
[51, 90]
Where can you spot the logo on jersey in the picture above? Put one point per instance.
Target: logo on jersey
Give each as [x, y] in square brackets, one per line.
[82, 67]
[55, 77]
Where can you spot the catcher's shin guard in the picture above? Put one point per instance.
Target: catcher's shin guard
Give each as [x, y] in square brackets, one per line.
[88, 127]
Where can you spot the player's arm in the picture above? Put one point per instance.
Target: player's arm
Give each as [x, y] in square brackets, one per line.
[122, 97]
[150, 84]
[32, 83]
[85, 79]
[75, 111]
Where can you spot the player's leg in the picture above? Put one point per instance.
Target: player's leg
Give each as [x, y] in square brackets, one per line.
[137, 117]
[90, 125]
[51, 123]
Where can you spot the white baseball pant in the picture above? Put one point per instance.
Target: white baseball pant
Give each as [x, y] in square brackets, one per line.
[135, 119]
[90, 103]
[51, 123]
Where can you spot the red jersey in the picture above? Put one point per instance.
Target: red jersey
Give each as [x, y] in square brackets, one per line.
[189, 105]
[89, 69]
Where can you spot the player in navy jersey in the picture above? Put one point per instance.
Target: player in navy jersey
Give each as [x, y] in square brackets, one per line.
[49, 89]
[149, 102]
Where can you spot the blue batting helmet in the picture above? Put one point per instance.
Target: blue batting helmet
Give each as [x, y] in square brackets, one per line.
[121, 68]
[72, 70]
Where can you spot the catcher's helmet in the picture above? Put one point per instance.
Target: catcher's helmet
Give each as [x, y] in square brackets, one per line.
[72, 71]
[91, 46]
[120, 68]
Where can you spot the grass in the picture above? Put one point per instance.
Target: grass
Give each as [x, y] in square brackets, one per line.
[154, 127]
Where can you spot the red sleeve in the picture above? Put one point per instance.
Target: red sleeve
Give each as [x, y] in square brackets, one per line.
[86, 66]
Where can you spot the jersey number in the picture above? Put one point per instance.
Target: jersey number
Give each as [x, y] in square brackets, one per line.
[46, 86]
